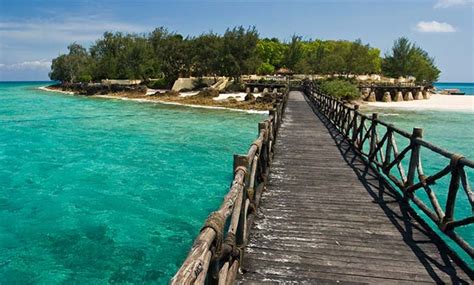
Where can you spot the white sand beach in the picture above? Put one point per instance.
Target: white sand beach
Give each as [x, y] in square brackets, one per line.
[464, 103]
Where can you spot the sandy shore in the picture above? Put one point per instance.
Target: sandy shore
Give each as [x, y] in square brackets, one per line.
[464, 103]
[178, 104]
[157, 101]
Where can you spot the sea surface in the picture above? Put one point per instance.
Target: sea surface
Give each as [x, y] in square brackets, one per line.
[466, 87]
[97, 191]
[451, 131]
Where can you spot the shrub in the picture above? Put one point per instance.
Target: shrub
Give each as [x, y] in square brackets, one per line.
[341, 89]
[235, 87]
[265, 68]
[158, 84]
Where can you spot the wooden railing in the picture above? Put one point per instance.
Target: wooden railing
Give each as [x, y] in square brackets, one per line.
[375, 141]
[218, 250]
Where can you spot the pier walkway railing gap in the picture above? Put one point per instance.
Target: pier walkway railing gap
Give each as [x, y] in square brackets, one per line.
[374, 140]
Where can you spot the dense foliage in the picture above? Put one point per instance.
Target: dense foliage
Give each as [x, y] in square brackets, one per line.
[168, 55]
[407, 59]
[341, 89]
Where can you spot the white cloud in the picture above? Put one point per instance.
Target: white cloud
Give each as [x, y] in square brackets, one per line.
[434, 27]
[451, 3]
[27, 65]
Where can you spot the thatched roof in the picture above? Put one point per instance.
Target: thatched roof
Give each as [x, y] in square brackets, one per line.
[284, 71]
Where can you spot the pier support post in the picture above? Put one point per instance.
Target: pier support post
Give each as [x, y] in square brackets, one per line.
[399, 97]
[386, 97]
[419, 96]
[408, 96]
[426, 95]
[371, 97]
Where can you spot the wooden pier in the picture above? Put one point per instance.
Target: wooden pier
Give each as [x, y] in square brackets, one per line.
[326, 212]
[327, 218]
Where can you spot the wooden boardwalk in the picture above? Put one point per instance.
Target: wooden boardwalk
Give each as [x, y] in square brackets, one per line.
[327, 218]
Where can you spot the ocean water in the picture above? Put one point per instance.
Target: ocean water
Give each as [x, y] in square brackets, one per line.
[451, 131]
[466, 87]
[97, 191]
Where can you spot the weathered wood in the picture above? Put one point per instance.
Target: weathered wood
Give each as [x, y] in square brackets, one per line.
[322, 220]
[415, 156]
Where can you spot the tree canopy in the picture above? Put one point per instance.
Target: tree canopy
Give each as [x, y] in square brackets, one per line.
[407, 59]
[169, 55]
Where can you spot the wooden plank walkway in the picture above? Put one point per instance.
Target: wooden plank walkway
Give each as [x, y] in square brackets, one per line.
[326, 218]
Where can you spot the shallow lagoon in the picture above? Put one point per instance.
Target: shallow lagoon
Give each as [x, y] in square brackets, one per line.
[97, 190]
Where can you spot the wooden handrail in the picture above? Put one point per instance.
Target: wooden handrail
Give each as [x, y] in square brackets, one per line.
[216, 256]
[383, 154]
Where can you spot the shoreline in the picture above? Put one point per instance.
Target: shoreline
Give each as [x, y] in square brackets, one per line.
[157, 101]
[141, 100]
[437, 102]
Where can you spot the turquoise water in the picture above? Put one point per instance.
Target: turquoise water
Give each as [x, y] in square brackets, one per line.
[467, 88]
[452, 131]
[95, 191]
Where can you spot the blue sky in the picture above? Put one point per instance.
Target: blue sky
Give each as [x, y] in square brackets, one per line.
[32, 32]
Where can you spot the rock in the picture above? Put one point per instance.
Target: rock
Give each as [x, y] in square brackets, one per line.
[247, 90]
[265, 90]
[398, 97]
[255, 90]
[386, 97]
[249, 97]
[171, 93]
[275, 90]
[408, 96]
[222, 84]
[266, 98]
[208, 93]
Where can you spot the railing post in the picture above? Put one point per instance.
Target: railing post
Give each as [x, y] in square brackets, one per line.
[242, 161]
[414, 158]
[354, 124]
[453, 189]
[373, 134]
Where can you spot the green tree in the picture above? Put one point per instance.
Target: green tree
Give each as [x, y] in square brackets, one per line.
[406, 59]
[73, 67]
[238, 51]
[270, 52]
[294, 53]
[170, 51]
[205, 55]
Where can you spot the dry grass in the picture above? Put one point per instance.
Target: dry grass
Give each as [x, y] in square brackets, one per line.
[201, 101]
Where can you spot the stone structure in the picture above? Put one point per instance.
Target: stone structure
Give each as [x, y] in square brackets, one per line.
[408, 96]
[387, 97]
[398, 97]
